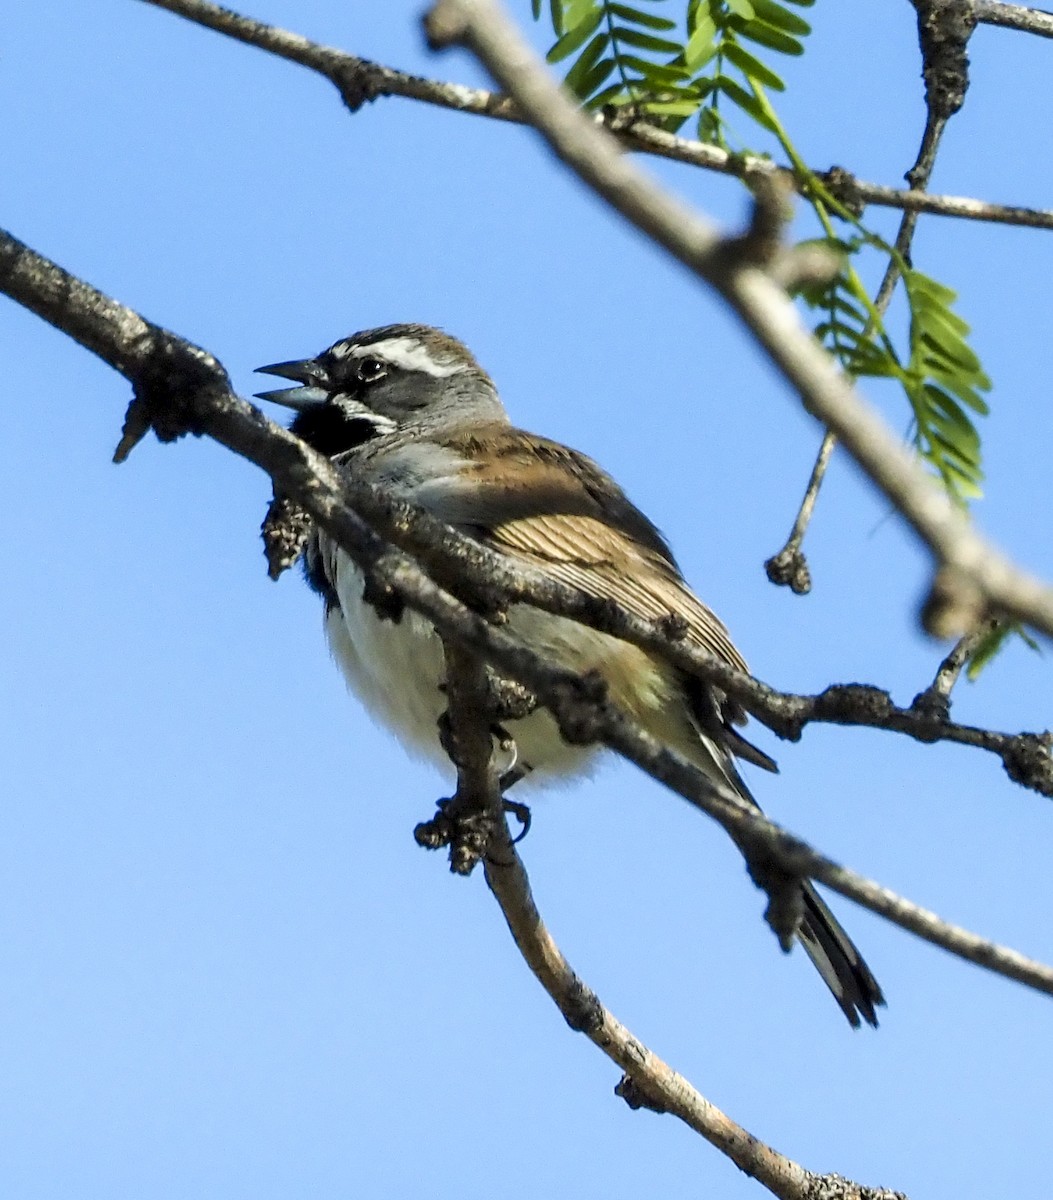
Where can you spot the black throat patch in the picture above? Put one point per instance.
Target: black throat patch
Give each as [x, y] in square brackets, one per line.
[331, 431]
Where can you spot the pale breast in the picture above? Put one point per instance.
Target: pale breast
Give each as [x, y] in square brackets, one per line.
[396, 669]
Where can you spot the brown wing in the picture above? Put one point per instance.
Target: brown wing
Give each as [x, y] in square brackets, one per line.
[587, 553]
[556, 509]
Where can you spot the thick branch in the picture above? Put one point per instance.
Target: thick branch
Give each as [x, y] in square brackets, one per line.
[164, 367]
[358, 80]
[973, 576]
[206, 405]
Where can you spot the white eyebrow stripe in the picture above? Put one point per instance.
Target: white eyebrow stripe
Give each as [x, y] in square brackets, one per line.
[411, 355]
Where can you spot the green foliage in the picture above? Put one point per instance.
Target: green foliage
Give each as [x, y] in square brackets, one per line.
[713, 63]
[670, 71]
[941, 377]
[944, 380]
[716, 66]
[990, 645]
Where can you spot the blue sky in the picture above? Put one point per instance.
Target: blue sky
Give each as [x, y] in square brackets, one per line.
[225, 968]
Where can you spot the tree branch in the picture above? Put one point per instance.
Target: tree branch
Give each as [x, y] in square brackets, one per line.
[973, 578]
[359, 80]
[943, 32]
[647, 1081]
[1015, 16]
[180, 388]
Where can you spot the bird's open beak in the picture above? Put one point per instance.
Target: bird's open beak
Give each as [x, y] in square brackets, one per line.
[306, 372]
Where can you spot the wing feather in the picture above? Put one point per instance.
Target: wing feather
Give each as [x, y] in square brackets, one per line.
[556, 509]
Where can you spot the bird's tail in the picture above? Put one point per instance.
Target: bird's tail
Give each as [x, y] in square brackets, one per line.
[838, 961]
[828, 946]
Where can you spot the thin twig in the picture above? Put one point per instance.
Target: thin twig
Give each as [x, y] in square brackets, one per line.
[359, 80]
[945, 88]
[936, 698]
[789, 567]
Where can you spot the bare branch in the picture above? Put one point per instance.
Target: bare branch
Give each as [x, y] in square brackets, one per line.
[789, 567]
[973, 578]
[946, 82]
[648, 1081]
[191, 394]
[1015, 16]
[937, 696]
[359, 80]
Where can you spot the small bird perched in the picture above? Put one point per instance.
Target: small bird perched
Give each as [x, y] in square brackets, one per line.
[408, 408]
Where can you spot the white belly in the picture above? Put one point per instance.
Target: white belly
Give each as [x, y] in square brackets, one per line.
[396, 670]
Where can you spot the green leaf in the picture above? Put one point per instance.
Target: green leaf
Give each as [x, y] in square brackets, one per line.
[588, 59]
[993, 641]
[701, 45]
[645, 41]
[841, 303]
[535, 8]
[765, 35]
[599, 75]
[575, 37]
[943, 402]
[747, 102]
[779, 18]
[952, 349]
[614, 94]
[966, 394]
[751, 67]
[673, 108]
[635, 17]
[925, 285]
[742, 8]
[710, 127]
[928, 313]
[669, 74]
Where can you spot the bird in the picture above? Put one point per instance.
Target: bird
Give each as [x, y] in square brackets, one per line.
[408, 408]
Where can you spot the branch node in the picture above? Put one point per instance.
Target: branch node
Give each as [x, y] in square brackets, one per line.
[355, 81]
[785, 910]
[285, 531]
[1028, 759]
[853, 701]
[136, 426]
[636, 1095]
[789, 568]
[944, 29]
[844, 187]
[582, 1009]
[438, 832]
[174, 382]
[466, 833]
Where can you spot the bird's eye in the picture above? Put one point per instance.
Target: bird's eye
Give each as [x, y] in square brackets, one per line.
[371, 369]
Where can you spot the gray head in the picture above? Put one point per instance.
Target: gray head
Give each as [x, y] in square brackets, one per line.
[382, 381]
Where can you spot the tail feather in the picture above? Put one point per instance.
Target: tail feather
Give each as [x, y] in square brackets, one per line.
[828, 946]
[838, 961]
